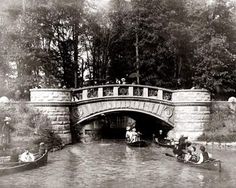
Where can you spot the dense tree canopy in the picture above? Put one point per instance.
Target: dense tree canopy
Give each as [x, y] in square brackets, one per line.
[167, 43]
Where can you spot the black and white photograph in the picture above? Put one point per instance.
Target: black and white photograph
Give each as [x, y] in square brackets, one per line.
[117, 93]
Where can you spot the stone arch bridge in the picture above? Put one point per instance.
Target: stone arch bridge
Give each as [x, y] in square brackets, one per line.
[187, 111]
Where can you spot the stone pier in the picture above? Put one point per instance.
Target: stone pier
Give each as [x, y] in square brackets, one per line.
[55, 103]
[192, 112]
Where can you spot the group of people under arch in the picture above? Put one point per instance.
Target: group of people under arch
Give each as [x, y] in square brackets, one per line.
[132, 135]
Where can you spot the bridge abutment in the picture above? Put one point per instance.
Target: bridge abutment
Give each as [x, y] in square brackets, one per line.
[192, 112]
[55, 104]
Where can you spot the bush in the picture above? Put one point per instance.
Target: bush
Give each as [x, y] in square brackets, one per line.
[30, 127]
[222, 126]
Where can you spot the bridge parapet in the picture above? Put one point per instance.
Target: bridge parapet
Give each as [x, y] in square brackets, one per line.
[191, 95]
[122, 90]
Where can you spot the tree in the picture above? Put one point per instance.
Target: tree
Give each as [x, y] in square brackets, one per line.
[214, 54]
[167, 43]
[49, 39]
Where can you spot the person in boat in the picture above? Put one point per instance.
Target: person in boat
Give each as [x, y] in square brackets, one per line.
[128, 134]
[180, 150]
[27, 157]
[204, 155]
[42, 149]
[164, 138]
[15, 155]
[161, 138]
[191, 156]
[182, 140]
[135, 136]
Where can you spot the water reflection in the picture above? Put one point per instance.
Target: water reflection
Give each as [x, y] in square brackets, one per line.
[114, 164]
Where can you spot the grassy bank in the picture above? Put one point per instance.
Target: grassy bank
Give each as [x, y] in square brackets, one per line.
[222, 127]
[28, 127]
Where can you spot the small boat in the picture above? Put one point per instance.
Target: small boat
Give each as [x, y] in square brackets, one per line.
[140, 143]
[211, 164]
[14, 167]
[165, 143]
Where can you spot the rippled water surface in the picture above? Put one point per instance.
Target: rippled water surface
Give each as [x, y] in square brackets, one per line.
[113, 164]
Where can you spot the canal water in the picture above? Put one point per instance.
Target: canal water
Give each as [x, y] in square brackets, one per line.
[113, 164]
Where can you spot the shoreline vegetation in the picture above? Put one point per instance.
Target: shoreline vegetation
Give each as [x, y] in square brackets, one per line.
[221, 127]
[217, 145]
[28, 128]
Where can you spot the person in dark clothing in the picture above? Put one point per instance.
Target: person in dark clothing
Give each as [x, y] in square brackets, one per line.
[15, 155]
[182, 140]
[181, 149]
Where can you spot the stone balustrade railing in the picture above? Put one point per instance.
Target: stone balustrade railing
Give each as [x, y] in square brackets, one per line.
[116, 90]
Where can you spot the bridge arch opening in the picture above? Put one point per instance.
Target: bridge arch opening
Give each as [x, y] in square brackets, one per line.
[112, 125]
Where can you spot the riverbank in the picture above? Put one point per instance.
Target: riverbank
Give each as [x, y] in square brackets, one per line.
[221, 129]
[217, 145]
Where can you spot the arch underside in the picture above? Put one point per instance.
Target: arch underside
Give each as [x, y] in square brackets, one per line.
[90, 116]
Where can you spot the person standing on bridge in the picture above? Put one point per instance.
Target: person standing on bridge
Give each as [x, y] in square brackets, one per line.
[123, 81]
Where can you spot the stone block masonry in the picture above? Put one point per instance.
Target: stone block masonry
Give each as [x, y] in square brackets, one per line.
[192, 112]
[50, 95]
[55, 104]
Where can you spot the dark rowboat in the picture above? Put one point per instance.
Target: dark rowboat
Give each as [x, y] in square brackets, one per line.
[141, 143]
[166, 144]
[14, 167]
[211, 164]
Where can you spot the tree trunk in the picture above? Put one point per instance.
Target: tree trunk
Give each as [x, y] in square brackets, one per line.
[137, 56]
[75, 36]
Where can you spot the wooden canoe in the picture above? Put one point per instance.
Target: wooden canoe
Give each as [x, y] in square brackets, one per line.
[211, 164]
[14, 167]
[141, 143]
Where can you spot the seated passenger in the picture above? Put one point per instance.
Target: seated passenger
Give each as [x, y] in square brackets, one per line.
[128, 134]
[176, 150]
[187, 156]
[26, 157]
[135, 136]
[162, 138]
[192, 155]
[204, 155]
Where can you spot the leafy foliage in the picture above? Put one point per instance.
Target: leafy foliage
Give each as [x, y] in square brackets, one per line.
[29, 127]
[167, 43]
[222, 125]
